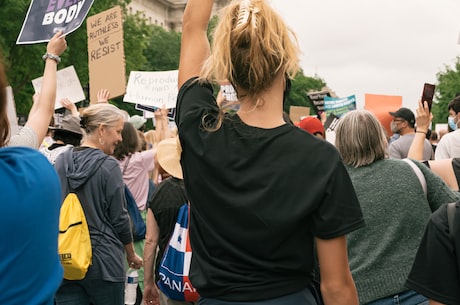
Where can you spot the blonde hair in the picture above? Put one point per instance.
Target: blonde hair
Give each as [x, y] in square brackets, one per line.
[251, 46]
[360, 138]
[150, 137]
[100, 114]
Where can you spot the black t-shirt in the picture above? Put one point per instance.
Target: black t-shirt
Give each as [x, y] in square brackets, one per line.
[165, 205]
[436, 269]
[258, 197]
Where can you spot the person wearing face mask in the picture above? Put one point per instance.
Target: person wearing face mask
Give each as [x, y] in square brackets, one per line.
[403, 123]
[449, 145]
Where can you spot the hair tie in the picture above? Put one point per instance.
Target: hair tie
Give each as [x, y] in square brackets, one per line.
[243, 13]
[84, 122]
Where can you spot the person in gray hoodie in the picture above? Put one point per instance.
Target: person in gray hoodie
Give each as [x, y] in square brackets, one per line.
[95, 176]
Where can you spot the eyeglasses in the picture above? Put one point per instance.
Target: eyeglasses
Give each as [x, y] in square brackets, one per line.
[399, 121]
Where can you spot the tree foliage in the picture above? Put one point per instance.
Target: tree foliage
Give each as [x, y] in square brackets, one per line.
[447, 88]
[163, 51]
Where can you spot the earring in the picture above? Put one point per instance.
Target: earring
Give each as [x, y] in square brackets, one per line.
[101, 141]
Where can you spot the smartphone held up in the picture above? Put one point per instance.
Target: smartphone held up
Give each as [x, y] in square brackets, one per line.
[428, 94]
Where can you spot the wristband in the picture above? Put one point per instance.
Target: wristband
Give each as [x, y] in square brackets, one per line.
[56, 58]
[421, 132]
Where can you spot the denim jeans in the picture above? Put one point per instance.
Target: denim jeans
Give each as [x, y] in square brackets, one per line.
[83, 292]
[303, 297]
[408, 297]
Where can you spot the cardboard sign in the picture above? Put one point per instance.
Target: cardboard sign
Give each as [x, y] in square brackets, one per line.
[68, 86]
[339, 106]
[106, 56]
[381, 105]
[46, 17]
[11, 111]
[152, 88]
[296, 113]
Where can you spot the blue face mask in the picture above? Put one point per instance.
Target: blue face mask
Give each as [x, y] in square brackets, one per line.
[451, 122]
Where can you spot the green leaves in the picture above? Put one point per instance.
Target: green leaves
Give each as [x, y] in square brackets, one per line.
[447, 88]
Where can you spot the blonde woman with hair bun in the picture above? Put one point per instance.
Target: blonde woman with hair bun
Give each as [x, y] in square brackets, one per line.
[262, 192]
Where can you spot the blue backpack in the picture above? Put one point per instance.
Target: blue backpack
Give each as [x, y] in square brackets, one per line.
[137, 223]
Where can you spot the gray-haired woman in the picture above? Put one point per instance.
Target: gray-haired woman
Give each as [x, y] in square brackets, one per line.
[395, 208]
[95, 176]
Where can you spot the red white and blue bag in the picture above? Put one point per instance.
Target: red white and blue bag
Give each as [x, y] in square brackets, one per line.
[175, 265]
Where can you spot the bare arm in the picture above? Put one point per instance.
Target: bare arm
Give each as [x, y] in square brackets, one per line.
[194, 43]
[423, 123]
[151, 241]
[432, 302]
[337, 285]
[443, 168]
[43, 110]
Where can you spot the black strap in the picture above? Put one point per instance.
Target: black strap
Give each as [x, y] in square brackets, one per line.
[450, 217]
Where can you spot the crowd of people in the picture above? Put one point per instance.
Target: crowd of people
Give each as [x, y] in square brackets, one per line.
[278, 214]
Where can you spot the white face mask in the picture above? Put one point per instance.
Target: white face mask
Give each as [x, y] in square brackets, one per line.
[452, 123]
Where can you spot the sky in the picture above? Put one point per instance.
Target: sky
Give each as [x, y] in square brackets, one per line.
[389, 47]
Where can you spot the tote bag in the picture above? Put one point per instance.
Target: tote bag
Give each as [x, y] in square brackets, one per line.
[175, 265]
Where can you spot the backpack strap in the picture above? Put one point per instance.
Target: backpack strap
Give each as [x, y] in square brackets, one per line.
[450, 217]
[418, 173]
[126, 164]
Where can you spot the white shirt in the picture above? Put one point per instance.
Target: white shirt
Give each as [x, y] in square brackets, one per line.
[448, 146]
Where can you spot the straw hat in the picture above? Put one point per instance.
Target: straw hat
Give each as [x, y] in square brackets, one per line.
[168, 154]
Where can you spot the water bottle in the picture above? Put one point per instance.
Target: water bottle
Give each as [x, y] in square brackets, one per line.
[132, 280]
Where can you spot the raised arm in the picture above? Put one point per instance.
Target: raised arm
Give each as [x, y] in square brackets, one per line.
[40, 117]
[443, 167]
[423, 122]
[103, 96]
[67, 104]
[195, 47]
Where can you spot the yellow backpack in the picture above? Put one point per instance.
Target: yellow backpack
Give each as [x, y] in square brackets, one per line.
[74, 243]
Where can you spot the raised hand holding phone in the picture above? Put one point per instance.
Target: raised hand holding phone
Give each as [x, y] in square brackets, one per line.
[428, 94]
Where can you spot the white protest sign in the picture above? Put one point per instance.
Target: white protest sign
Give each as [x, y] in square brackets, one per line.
[152, 88]
[68, 86]
[11, 111]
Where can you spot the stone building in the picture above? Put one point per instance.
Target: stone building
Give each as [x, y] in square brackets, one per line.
[165, 13]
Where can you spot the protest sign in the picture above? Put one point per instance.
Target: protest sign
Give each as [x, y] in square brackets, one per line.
[68, 86]
[46, 17]
[317, 100]
[152, 88]
[149, 111]
[339, 106]
[296, 113]
[11, 111]
[381, 105]
[106, 56]
[331, 122]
